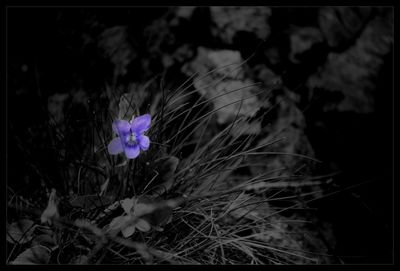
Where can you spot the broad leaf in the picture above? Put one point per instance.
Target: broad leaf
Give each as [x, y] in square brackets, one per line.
[33, 255]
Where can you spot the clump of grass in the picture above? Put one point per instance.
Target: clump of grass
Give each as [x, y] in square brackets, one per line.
[201, 207]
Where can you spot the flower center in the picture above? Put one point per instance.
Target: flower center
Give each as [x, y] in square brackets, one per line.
[131, 139]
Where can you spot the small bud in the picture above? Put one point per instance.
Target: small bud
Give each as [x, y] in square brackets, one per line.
[51, 212]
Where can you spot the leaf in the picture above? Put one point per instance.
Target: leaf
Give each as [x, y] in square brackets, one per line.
[80, 259]
[160, 216]
[128, 231]
[117, 223]
[127, 205]
[121, 223]
[340, 24]
[127, 106]
[351, 75]
[117, 48]
[33, 255]
[156, 212]
[51, 211]
[44, 239]
[222, 91]
[143, 225]
[20, 232]
[143, 209]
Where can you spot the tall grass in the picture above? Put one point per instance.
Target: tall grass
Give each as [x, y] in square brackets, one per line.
[219, 214]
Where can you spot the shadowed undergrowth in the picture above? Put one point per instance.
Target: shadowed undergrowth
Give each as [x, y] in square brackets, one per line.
[189, 199]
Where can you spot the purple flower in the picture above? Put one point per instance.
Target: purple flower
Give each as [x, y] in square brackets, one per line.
[130, 136]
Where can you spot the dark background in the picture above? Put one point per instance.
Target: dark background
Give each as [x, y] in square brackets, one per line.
[57, 50]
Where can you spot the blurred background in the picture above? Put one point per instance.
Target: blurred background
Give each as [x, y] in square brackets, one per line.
[330, 70]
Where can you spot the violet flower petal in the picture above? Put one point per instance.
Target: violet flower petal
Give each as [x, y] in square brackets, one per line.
[115, 146]
[121, 127]
[141, 124]
[144, 142]
[132, 151]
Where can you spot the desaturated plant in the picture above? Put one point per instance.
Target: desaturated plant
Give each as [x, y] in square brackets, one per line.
[163, 189]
